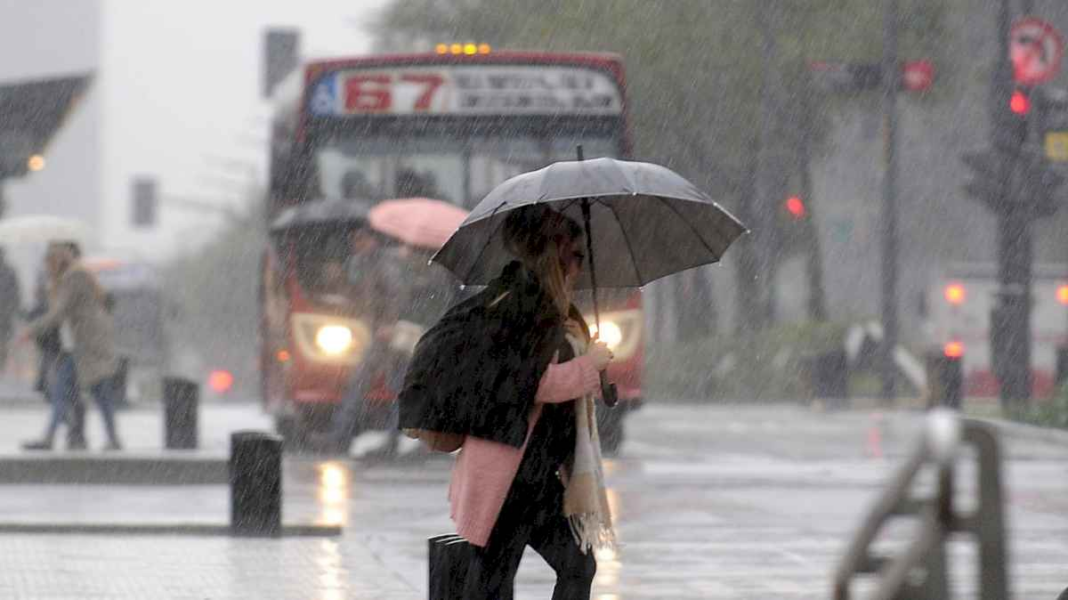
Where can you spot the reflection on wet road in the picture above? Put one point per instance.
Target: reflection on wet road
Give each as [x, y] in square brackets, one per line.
[710, 502]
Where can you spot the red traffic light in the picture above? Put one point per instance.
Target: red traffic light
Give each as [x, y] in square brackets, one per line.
[1019, 103]
[796, 207]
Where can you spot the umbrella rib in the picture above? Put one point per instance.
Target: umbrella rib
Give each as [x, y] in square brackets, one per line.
[689, 224]
[626, 238]
[489, 240]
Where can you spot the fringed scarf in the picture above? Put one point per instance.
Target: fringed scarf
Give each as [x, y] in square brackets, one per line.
[585, 499]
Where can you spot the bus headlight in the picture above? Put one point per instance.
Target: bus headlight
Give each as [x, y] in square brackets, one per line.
[330, 339]
[621, 331]
[610, 334]
[334, 339]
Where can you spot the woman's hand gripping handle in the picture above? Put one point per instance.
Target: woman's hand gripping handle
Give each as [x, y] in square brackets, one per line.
[602, 356]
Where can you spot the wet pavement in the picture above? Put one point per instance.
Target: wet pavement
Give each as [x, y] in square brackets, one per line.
[711, 502]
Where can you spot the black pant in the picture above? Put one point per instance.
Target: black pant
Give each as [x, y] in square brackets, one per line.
[533, 517]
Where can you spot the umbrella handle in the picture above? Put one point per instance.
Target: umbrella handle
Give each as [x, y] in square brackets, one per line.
[609, 392]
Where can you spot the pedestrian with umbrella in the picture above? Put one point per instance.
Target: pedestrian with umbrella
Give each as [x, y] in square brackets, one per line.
[413, 293]
[512, 370]
[532, 379]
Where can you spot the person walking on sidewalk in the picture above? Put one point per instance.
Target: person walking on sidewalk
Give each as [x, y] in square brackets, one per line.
[529, 471]
[10, 303]
[49, 349]
[88, 358]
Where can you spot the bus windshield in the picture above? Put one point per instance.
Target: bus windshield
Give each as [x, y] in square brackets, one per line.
[458, 170]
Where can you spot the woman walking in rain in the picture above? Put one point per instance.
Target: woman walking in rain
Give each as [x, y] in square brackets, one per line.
[529, 471]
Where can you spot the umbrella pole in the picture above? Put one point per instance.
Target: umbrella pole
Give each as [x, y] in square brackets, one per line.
[589, 249]
[608, 390]
[589, 252]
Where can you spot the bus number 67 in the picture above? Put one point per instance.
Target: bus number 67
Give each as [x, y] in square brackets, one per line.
[374, 93]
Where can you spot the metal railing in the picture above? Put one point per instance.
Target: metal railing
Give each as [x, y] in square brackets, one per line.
[919, 571]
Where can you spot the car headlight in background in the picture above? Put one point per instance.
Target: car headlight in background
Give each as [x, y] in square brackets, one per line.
[334, 339]
[330, 339]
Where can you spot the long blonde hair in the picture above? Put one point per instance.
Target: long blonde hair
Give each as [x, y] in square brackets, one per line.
[533, 234]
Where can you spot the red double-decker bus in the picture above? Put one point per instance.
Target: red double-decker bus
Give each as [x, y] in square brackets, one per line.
[460, 121]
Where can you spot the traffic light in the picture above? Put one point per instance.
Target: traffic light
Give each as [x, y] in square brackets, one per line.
[796, 207]
[1015, 176]
[1010, 126]
[1020, 103]
[144, 202]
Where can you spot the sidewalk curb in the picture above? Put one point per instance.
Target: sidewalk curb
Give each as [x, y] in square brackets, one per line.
[1012, 429]
[186, 529]
[114, 470]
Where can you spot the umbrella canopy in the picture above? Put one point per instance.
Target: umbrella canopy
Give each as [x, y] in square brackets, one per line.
[646, 222]
[417, 221]
[318, 213]
[38, 229]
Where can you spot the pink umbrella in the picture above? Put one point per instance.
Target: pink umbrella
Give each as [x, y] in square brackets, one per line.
[417, 221]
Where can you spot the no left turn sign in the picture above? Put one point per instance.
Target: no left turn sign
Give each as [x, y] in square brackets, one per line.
[1036, 49]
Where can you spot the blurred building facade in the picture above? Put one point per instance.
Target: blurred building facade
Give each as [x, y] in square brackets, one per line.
[49, 38]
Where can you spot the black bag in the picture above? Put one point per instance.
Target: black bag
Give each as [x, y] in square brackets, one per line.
[448, 558]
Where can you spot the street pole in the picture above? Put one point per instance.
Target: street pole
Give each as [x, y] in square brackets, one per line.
[889, 263]
[1010, 329]
[765, 238]
[817, 297]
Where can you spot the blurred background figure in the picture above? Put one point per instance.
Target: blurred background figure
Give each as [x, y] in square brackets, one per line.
[49, 347]
[354, 184]
[10, 302]
[87, 336]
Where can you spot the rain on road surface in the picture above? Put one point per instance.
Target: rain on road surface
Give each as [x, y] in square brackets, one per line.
[712, 502]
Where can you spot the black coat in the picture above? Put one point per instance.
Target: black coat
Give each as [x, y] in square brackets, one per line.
[477, 370]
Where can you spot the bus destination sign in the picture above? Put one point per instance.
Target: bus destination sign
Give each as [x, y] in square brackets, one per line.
[466, 90]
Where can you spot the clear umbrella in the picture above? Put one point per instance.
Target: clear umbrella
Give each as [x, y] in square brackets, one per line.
[36, 229]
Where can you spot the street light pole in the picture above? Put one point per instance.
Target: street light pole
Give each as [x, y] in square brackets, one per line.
[889, 259]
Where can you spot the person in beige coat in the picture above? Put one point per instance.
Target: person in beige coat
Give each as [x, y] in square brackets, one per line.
[88, 359]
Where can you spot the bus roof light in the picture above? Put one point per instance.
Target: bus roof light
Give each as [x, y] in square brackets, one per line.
[469, 48]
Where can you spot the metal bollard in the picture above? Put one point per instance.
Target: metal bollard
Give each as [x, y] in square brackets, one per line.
[945, 379]
[180, 400]
[832, 377]
[255, 484]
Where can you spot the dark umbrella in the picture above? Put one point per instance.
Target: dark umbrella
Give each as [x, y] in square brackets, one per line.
[643, 222]
[321, 213]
